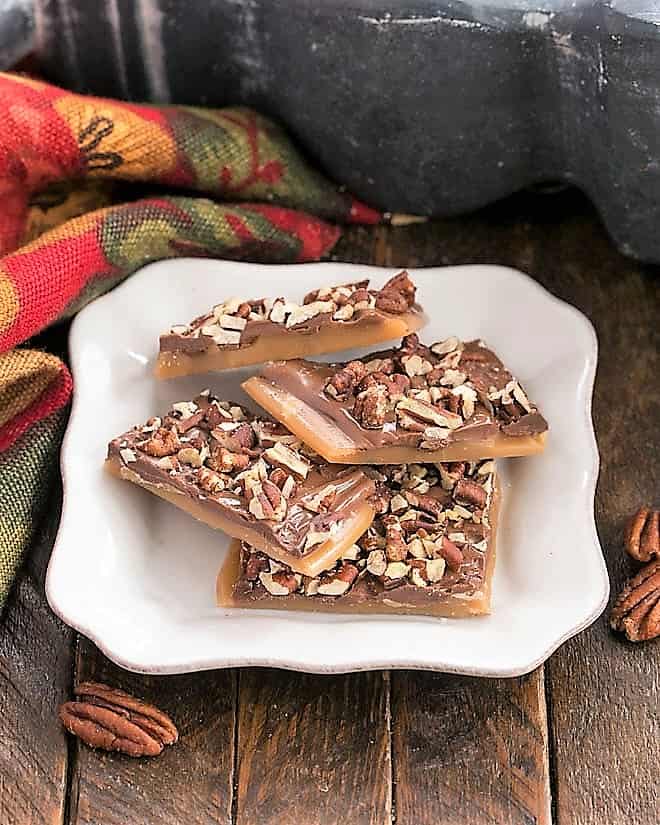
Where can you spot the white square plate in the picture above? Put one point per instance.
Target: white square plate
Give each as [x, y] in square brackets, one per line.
[137, 576]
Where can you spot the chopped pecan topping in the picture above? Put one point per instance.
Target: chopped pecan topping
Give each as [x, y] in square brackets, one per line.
[451, 554]
[388, 300]
[467, 491]
[637, 610]
[279, 455]
[209, 480]
[256, 563]
[266, 501]
[163, 442]
[279, 583]
[107, 718]
[428, 504]
[370, 408]
[642, 536]
[403, 285]
[395, 547]
[341, 384]
[395, 574]
[244, 436]
[338, 583]
[376, 562]
[276, 499]
[285, 579]
[225, 461]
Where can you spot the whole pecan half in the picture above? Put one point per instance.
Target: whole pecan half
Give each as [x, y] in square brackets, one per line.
[642, 536]
[108, 718]
[637, 610]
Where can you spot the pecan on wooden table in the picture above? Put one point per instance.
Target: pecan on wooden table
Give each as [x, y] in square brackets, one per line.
[108, 718]
[642, 537]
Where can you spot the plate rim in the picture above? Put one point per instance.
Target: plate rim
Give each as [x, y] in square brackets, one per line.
[218, 661]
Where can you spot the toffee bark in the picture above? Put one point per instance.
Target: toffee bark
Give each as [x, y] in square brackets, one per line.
[430, 550]
[452, 401]
[239, 331]
[249, 477]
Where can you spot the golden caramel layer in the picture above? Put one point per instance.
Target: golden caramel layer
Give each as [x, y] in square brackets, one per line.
[293, 344]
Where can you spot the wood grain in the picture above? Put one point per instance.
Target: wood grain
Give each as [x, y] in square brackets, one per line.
[605, 743]
[317, 749]
[313, 750]
[469, 750]
[605, 692]
[464, 750]
[189, 782]
[35, 672]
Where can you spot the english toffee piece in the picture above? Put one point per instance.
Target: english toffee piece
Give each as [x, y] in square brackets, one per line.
[451, 401]
[239, 331]
[249, 477]
[430, 550]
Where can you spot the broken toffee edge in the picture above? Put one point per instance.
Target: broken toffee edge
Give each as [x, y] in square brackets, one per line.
[356, 522]
[384, 603]
[292, 412]
[296, 343]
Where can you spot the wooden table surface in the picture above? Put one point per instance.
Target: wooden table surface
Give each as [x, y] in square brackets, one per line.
[575, 742]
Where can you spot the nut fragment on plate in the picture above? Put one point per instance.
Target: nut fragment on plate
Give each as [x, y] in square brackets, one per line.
[241, 331]
[247, 476]
[637, 610]
[110, 719]
[423, 553]
[642, 536]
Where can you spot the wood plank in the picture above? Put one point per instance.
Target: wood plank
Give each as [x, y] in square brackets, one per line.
[189, 782]
[464, 750]
[605, 692]
[313, 750]
[35, 673]
[469, 750]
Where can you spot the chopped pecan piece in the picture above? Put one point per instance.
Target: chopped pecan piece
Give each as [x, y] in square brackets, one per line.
[402, 284]
[451, 554]
[209, 480]
[107, 718]
[388, 300]
[395, 546]
[469, 492]
[341, 385]
[280, 583]
[256, 563]
[244, 436]
[286, 579]
[279, 455]
[276, 499]
[336, 584]
[637, 610]
[428, 504]
[370, 408]
[642, 536]
[395, 574]
[376, 562]
[225, 461]
[163, 442]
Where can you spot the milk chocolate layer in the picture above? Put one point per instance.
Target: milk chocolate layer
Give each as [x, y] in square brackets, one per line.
[429, 552]
[239, 331]
[248, 476]
[415, 403]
